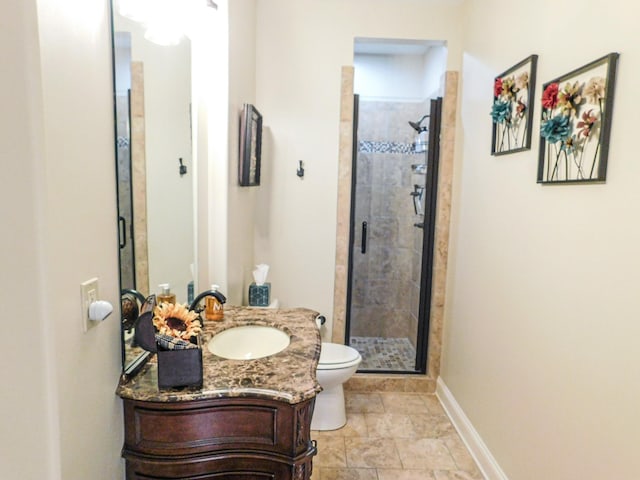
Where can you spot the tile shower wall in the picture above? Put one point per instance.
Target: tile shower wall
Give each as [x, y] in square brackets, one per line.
[385, 287]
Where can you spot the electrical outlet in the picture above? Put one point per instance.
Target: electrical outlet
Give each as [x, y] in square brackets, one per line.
[89, 294]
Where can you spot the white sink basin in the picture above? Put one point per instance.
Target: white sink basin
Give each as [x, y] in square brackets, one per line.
[248, 342]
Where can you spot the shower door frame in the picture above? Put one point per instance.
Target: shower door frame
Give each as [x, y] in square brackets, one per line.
[352, 209]
[428, 239]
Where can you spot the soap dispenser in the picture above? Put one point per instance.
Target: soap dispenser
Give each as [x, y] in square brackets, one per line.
[213, 309]
[166, 296]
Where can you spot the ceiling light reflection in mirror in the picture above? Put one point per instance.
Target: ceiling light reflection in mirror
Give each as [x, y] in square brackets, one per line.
[166, 21]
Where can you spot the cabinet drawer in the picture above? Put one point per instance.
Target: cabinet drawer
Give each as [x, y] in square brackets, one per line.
[166, 429]
[204, 427]
[232, 467]
[223, 465]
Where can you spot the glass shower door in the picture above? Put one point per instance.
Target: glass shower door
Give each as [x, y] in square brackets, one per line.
[390, 215]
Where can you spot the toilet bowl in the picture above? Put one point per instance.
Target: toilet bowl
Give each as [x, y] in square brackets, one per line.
[337, 364]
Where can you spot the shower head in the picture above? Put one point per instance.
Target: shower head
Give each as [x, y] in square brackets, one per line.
[417, 126]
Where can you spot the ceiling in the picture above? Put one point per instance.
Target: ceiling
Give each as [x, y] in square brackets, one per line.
[385, 46]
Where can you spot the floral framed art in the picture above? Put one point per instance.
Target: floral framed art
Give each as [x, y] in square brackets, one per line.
[576, 124]
[512, 109]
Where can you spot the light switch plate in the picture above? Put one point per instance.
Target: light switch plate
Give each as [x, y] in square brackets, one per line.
[89, 294]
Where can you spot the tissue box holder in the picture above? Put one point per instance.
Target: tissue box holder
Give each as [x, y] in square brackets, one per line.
[176, 368]
[259, 294]
[180, 368]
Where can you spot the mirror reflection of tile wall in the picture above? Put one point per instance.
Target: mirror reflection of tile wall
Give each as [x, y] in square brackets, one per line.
[139, 174]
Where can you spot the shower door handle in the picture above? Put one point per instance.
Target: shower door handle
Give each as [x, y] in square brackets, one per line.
[363, 244]
[122, 232]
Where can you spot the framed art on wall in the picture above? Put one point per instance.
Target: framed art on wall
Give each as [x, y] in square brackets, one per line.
[512, 109]
[576, 123]
[250, 146]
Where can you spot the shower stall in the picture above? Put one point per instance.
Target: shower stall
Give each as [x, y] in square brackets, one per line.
[394, 181]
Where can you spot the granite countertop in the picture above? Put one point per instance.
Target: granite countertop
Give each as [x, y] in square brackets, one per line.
[288, 376]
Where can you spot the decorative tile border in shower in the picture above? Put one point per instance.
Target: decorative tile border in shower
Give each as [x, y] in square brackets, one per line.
[368, 146]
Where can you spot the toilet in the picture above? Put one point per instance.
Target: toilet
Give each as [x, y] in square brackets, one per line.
[337, 364]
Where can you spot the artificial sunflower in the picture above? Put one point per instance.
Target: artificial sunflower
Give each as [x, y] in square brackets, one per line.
[176, 320]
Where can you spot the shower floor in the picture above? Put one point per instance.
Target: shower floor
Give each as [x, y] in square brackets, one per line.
[385, 353]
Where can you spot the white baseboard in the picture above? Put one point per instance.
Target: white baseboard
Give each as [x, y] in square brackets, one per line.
[479, 451]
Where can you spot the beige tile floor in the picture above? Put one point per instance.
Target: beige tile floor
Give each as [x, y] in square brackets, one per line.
[393, 436]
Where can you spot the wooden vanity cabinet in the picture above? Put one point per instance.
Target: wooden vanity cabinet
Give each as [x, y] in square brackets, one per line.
[221, 438]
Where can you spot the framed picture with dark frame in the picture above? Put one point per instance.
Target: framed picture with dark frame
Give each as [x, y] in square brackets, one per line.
[512, 108]
[576, 124]
[250, 146]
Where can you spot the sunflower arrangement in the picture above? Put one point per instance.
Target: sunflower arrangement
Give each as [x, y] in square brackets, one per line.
[176, 321]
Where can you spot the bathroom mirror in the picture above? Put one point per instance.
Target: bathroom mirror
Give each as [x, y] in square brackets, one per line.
[154, 166]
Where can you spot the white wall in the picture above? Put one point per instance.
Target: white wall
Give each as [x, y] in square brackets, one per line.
[301, 46]
[25, 396]
[80, 232]
[542, 308]
[62, 418]
[435, 65]
[242, 200]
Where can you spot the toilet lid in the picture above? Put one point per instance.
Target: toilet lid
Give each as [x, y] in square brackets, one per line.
[333, 353]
